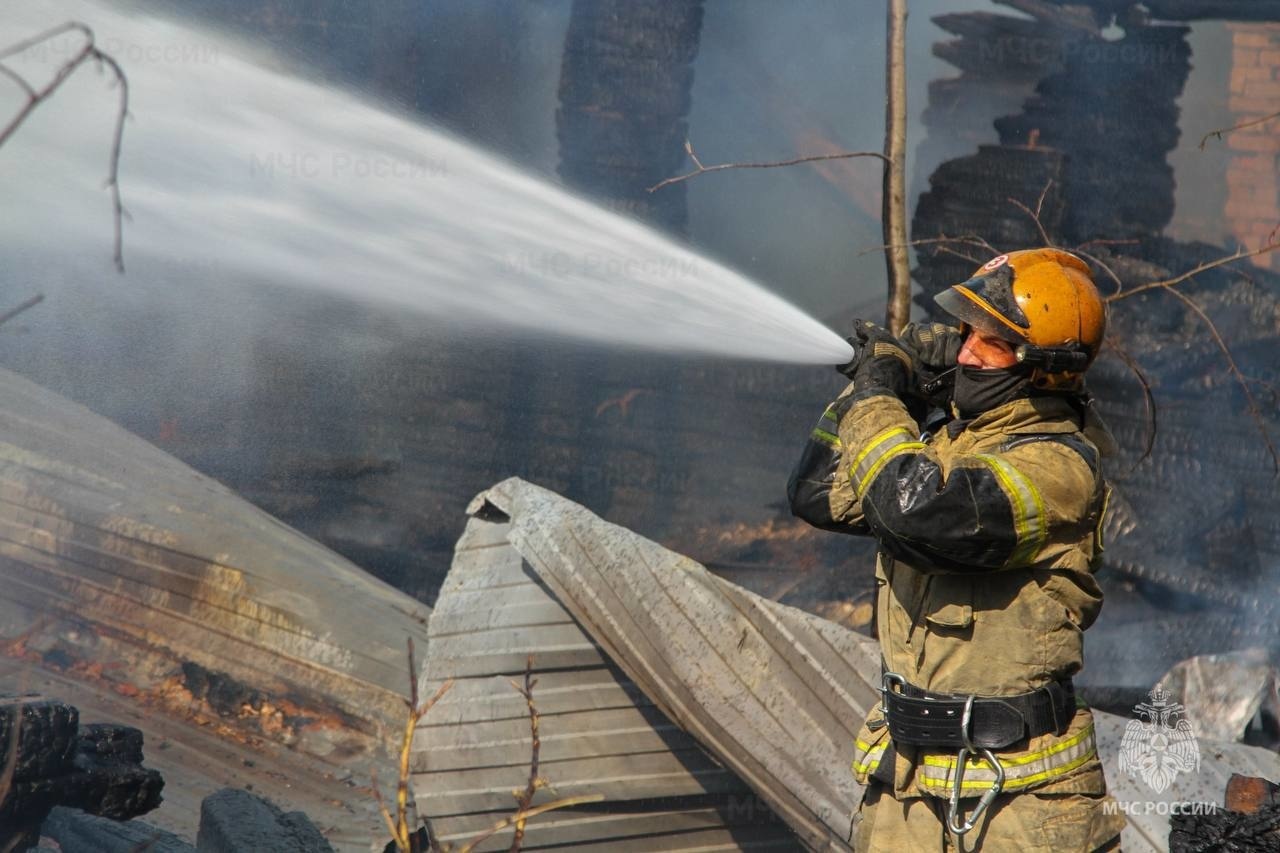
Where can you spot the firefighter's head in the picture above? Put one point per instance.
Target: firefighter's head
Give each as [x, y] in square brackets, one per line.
[1036, 307]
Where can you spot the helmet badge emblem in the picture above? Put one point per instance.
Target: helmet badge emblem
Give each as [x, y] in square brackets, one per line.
[995, 263]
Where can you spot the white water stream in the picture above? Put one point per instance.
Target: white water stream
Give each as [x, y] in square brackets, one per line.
[255, 175]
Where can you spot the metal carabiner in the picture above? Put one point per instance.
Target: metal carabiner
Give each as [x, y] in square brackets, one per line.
[962, 757]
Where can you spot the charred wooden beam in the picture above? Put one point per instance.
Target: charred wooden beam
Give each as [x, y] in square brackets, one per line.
[1221, 10]
[51, 760]
[625, 87]
[232, 820]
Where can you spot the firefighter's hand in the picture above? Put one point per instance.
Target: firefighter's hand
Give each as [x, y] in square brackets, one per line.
[883, 364]
[932, 346]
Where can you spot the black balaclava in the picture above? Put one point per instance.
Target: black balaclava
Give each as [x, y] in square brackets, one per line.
[981, 389]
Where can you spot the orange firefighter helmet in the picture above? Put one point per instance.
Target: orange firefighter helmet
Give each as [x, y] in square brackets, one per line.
[1043, 301]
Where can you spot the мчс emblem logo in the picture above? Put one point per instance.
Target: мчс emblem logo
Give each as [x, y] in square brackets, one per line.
[1161, 744]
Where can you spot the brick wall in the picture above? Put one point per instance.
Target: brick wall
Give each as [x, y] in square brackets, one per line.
[1253, 185]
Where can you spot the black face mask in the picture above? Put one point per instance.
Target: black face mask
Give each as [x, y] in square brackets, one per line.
[979, 390]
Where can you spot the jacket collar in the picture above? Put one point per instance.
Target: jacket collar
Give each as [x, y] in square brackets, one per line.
[1047, 414]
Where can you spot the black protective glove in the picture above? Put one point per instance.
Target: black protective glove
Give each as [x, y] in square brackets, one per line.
[879, 362]
[933, 348]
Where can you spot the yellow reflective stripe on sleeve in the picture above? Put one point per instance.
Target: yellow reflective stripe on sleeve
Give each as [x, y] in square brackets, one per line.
[878, 451]
[937, 771]
[827, 430]
[829, 439]
[1098, 544]
[1029, 519]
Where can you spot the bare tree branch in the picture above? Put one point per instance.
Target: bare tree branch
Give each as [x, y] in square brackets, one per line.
[399, 824]
[966, 240]
[1104, 265]
[1221, 132]
[531, 813]
[1148, 398]
[1205, 267]
[970, 258]
[701, 169]
[893, 213]
[525, 799]
[1254, 411]
[36, 96]
[14, 312]
[1108, 243]
[1035, 217]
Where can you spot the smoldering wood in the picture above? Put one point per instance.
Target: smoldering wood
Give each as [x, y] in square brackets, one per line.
[125, 566]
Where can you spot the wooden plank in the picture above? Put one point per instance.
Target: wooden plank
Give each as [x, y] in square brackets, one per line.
[647, 831]
[584, 734]
[762, 687]
[487, 652]
[470, 613]
[151, 565]
[474, 700]
[600, 733]
[618, 778]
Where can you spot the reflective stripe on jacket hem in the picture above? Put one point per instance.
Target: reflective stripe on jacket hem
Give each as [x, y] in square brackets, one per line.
[936, 771]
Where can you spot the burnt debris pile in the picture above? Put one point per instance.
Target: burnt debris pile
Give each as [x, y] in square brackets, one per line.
[50, 760]
[1249, 821]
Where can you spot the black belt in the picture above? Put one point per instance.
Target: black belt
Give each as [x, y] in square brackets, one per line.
[918, 717]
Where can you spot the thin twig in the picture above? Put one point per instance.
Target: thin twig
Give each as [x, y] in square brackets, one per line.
[1225, 130]
[1107, 243]
[525, 799]
[951, 251]
[18, 79]
[1035, 217]
[1040, 201]
[399, 824]
[1148, 398]
[565, 802]
[1105, 268]
[1205, 267]
[688, 147]
[35, 97]
[1254, 411]
[966, 240]
[14, 312]
[384, 811]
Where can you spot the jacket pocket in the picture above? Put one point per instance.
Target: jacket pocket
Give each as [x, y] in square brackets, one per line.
[949, 602]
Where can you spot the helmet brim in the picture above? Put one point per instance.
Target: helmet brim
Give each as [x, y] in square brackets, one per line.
[970, 308]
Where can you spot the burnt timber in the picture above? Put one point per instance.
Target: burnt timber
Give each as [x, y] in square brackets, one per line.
[121, 565]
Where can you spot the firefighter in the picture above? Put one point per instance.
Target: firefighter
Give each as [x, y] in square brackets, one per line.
[989, 525]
